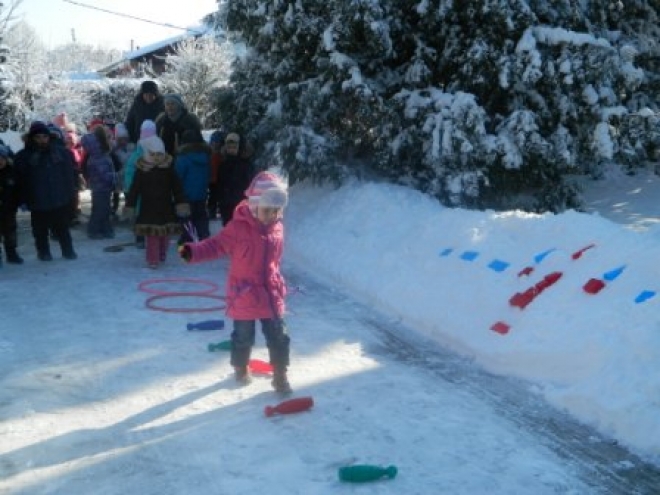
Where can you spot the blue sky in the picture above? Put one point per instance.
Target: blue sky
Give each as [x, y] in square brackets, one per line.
[54, 20]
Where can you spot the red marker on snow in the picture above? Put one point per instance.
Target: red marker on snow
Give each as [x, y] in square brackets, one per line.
[260, 367]
[500, 327]
[290, 406]
[593, 286]
[579, 253]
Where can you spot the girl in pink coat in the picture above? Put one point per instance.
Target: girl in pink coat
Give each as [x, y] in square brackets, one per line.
[253, 240]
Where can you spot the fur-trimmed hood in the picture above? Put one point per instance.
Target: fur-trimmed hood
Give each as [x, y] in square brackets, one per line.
[149, 162]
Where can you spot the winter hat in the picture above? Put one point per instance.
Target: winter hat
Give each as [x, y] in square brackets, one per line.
[56, 132]
[267, 181]
[38, 127]
[175, 98]
[149, 87]
[217, 137]
[274, 197]
[95, 122]
[121, 131]
[152, 144]
[4, 151]
[147, 129]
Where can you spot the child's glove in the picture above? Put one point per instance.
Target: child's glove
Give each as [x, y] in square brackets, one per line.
[183, 211]
[128, 214]
[185, 253]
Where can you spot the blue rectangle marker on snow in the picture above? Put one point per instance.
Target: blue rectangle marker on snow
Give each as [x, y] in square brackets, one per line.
[469, 255]
[645, 295]
[613, 274]
[446, 252]
[541, 256]
[498, 265]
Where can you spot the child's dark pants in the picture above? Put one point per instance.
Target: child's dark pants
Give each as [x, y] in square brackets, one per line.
[277, 340]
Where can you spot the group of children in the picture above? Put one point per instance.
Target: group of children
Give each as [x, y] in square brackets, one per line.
[169, 195]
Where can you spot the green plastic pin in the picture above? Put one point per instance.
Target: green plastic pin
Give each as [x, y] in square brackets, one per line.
[225, 345]
[362, 473]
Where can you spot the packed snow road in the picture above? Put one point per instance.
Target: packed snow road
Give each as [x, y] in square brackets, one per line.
[99, 394]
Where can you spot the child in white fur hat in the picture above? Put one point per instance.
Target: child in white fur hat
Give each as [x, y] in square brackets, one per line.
[155, 184]
[254, 241]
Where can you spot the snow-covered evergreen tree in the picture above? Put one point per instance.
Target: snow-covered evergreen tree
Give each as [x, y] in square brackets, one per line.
[197, 67]
[485, 103]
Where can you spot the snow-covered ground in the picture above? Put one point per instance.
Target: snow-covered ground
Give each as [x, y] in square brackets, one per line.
[393, 303]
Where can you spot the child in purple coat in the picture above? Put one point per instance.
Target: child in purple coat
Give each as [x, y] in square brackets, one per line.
[101, 182]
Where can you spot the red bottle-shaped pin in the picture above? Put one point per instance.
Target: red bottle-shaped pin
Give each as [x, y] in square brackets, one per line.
[259, 367]
[290, 406]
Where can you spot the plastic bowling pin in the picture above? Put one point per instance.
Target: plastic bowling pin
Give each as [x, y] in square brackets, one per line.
[361, 473]
[259, 367]
[207, 325]
[225, 345]
[290, 406]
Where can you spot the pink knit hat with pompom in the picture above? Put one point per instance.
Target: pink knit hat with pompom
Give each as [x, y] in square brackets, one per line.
[267, 189]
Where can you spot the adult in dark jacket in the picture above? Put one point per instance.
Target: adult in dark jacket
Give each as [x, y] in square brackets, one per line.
[47, 181]
[174, 121]
[235, 173]
[9, 201]
[193, 165]
[147, 105]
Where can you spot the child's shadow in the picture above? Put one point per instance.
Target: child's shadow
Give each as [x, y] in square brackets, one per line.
[87, 443]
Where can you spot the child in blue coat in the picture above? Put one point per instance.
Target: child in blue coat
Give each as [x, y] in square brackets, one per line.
[193, 165]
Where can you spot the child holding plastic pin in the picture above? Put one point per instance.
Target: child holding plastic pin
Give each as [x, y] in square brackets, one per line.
[253, 240]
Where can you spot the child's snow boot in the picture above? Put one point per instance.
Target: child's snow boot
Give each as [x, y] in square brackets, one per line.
[281, 382]
[242, 375]
[13, 256]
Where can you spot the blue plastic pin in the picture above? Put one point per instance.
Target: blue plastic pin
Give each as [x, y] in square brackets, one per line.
[206, 325]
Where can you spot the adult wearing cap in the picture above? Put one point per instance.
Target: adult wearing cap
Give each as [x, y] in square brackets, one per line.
[147, 105]
[47, 180]
[174, 121]
[235, 173]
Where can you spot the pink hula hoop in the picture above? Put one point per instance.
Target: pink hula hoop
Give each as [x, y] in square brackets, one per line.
[150, 303]
[146, 286]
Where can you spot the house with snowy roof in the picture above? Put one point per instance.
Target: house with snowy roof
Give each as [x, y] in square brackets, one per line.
[150, 60]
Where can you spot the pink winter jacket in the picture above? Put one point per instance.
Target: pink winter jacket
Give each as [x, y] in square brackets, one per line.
[255, 287]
